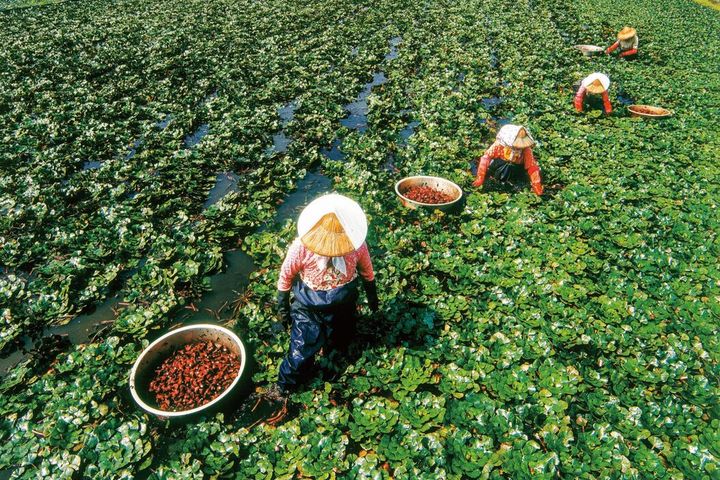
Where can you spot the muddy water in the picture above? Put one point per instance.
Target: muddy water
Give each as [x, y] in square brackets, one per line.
[225, 183]
[216, 305]
[281, 140]
[333, 152]
[407, 132]
[491, 102]
[310, 187]
[356, 118]
[80, 330]
[92, 165]
[194, 138]
[393, 53]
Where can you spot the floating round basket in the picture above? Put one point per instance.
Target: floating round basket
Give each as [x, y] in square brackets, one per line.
[444, 187]
[143, 371]
[647, 111]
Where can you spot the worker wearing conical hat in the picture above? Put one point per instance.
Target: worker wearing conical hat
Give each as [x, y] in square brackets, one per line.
[323, 268]
[596, 84]
[510, 158]
[627, 42]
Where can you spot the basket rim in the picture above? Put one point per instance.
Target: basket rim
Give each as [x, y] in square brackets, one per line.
[428, 177]
[182, 413]
[666, 112]
[589, 48]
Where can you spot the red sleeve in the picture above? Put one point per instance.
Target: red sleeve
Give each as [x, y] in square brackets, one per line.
[579, 98]
[533, 170]
[364, 264]
[613, 47]
[291, 266]
[632, 51]
[484, 163]
[606, 102]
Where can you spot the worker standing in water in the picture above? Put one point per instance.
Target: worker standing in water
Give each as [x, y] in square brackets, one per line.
[323, 268]
[592, 88]
[627, 42]
[510, 159]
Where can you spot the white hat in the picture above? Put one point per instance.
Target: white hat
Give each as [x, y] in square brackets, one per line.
[332, 225]
[514, 136]
[591, 82]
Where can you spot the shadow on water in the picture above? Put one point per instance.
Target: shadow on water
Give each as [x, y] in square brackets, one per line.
[624, 99]
[225, 183]
[162, 124]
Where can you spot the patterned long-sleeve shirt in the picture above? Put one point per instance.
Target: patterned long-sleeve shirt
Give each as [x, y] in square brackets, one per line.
[627, 47]
[319, 274]
[580, 100]
[526, 158]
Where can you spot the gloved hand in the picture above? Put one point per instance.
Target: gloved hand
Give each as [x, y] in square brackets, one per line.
[283, 306]
[371, 292]
[477, 183]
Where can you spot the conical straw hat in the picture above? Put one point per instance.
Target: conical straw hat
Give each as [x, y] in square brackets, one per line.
[596, 83]
[626, 33]
[515, 136]
[332, 226]
[523, 139]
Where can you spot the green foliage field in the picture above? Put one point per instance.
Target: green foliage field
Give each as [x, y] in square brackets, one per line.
[569, 336]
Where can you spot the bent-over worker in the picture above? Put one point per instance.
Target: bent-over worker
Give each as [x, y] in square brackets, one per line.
[321, 268]
[627, 42]
[596, 84]
[510, 159]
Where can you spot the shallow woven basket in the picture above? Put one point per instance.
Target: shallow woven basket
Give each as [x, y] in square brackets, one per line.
[648, 111]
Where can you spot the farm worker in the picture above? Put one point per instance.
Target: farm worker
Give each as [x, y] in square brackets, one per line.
[594, 84]
[323, 268]
[627, 42]
[510, 158]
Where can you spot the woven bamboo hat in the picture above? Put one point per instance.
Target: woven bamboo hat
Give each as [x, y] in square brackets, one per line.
[332, 226]
[626, 33]
[596, 83]
[515, 136]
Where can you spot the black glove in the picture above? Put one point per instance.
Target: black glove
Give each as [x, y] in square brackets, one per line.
[283, 306]
[371, 292]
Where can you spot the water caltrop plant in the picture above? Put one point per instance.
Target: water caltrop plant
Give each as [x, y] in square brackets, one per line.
[568, 335]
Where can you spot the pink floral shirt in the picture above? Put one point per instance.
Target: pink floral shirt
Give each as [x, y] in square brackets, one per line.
[301, 261]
